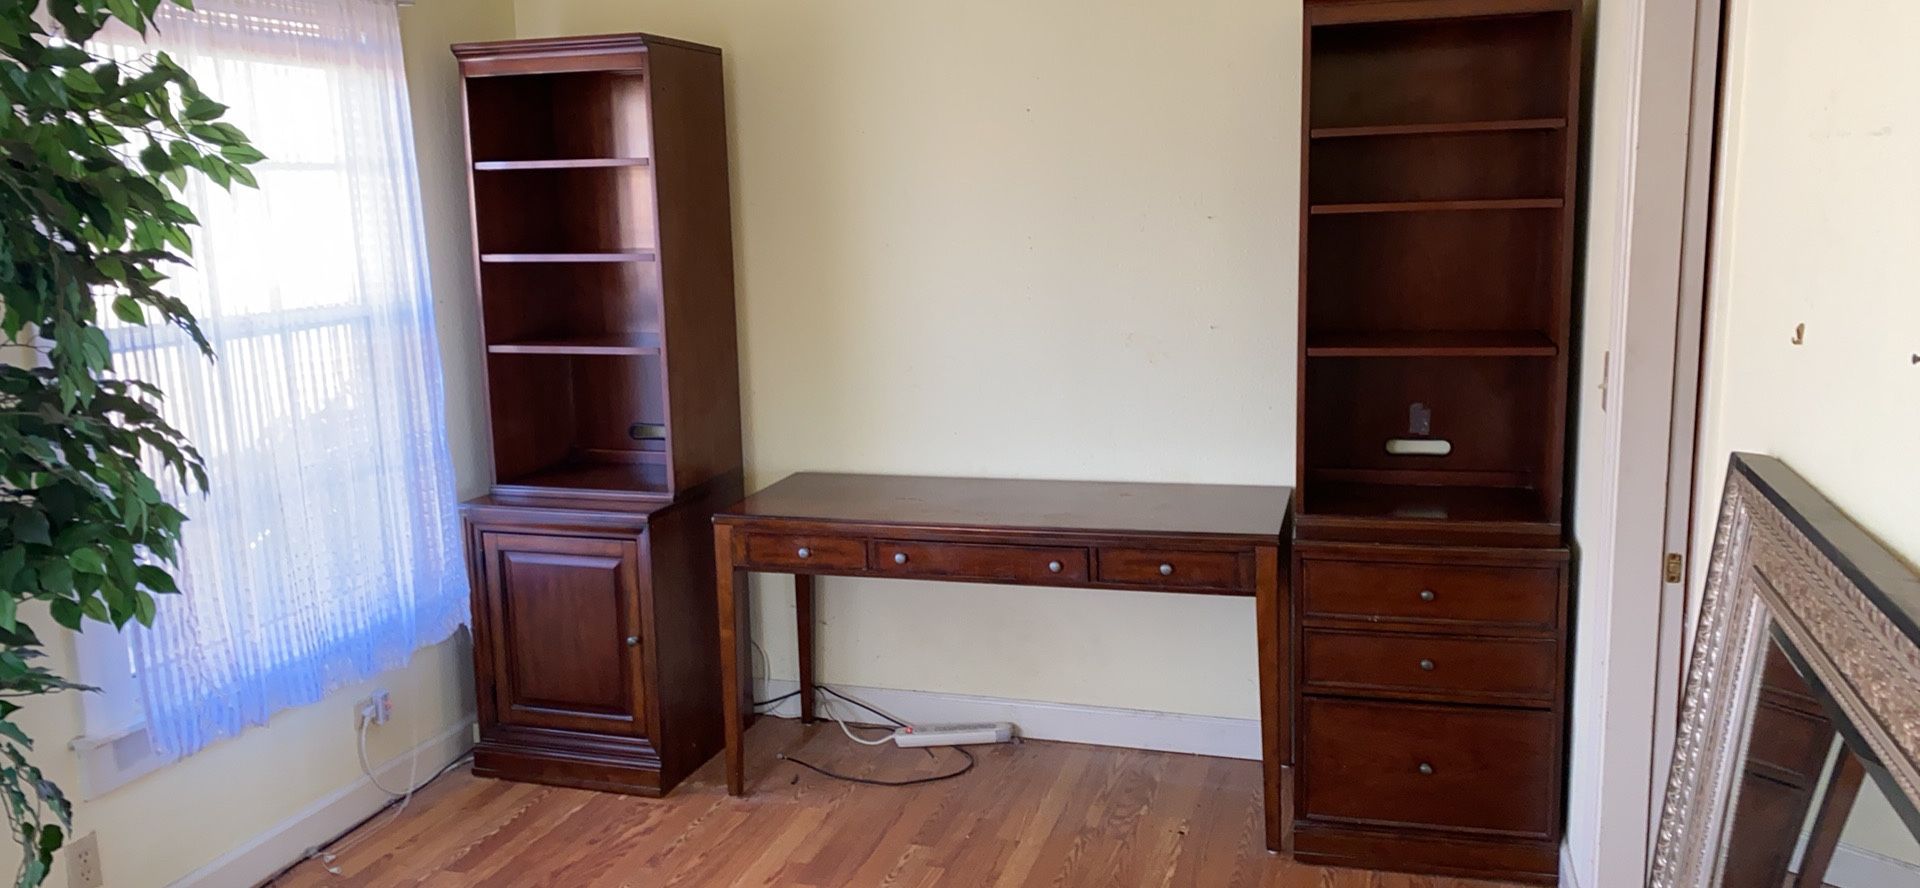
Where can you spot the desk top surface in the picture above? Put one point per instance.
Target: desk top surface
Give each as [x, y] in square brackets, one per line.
[1208, 510]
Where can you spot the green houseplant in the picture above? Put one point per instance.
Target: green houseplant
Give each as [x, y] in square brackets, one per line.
[93, 155]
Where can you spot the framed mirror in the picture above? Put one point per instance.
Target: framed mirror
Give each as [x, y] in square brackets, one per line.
[1798, 756]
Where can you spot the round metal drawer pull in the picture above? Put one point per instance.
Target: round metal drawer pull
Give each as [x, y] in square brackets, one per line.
[1166, 570]
[1054, 566]
[1426, 665]
[899, 558]
[805, 552]
[1426, 769]
[633, 641]
[1426, 595]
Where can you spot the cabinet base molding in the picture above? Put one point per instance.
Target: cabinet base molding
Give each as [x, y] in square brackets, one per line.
[1532, 861]
[584, 761]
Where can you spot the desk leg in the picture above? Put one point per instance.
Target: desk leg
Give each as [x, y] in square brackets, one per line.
[803, 618]
[1276, 736]
[731, 586]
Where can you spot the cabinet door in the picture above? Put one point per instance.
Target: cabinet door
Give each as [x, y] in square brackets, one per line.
[565, 632]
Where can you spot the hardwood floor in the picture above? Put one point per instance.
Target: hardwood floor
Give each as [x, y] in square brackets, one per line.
[1030, 814]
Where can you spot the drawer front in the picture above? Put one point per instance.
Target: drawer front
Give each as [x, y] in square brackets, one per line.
[801, 552]
[1788, 745]
[1438, 593]
[1174, 569]
[966, 561]
[1498, 669]
[1432, 766]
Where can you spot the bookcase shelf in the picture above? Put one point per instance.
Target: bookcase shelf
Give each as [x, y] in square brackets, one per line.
[557, 258]
[1436, 264]
[1432, 344]
[582, 163]
[1437, 206]
[1528, 124]
[612, 344]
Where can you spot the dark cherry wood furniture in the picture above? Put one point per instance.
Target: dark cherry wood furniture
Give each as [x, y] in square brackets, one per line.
[1200, 539]
[604, 251]
[1429, 565]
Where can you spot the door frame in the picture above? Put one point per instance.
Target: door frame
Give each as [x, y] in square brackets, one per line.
[1645, 386]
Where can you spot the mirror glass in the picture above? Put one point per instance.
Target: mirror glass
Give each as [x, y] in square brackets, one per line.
[1808, 808]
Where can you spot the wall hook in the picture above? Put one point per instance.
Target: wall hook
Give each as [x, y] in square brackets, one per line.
[1800, 334]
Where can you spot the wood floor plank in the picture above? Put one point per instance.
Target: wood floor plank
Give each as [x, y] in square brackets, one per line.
[1030, 814]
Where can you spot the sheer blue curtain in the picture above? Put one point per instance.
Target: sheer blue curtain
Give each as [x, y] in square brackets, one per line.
[328, 549]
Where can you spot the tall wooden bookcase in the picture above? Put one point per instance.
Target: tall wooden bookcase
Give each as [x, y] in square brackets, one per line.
[1430, 569]
[603, 248]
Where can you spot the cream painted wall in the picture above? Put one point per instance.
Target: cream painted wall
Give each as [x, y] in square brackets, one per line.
[1015, 239]
[1817, 226]
[168, 824]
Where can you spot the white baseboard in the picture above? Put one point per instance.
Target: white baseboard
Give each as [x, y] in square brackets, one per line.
[290, 839]
[1569, 874]
[1855, 868]
[1096, 725]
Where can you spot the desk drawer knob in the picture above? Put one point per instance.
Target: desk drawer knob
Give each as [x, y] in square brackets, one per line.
[1426, 595]
[633, 641]
[1166, 570]
[804, 552]
[899, 558]
[1426, 770]
[1426, 665]
[1054, 566]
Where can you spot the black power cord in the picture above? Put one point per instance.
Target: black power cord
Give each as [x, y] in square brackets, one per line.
[868, 781]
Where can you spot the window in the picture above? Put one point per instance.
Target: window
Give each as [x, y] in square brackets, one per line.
[328, 548]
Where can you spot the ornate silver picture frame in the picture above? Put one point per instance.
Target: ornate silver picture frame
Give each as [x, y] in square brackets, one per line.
[1786, 559]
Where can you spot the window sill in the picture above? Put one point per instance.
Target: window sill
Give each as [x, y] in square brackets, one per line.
[110, 761]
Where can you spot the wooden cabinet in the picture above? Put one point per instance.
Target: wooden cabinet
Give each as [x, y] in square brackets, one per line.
[603, 246]
[565, 640]
[1430, 614]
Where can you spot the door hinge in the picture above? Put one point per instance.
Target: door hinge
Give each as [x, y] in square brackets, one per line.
[1676, 566]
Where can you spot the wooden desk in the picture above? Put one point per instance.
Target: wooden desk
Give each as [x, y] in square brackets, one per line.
[1197, 539]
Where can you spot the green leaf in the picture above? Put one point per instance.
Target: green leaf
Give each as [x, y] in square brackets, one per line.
[156, 578]
[242, 153]
[155, 158]
[203, 109]
[12, 732]
[87, 561]
[9, 612]
[31, 527]
[66, 612]
[128, 310]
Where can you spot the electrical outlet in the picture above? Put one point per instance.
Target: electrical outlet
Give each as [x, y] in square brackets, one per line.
[377, 708]
[83, 862]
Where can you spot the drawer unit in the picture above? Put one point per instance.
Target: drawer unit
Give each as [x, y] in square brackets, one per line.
[1396, 764]
[1524, 671]
[801, 553]
[1174, 569]
[966, 561]
[1432, 593]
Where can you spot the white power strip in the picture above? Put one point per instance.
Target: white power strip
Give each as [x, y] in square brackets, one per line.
[954, 735]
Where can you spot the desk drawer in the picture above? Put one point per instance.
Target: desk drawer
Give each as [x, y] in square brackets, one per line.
[1440, 593]
[1368, 663]
[803, 552]
[1175, 569]
[966, 561]
[1434, 766]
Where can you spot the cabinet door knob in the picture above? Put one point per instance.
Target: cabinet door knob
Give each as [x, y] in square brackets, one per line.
[805, 552]
[1426, 595]
[1426, 769]
[899, 558]
[1426, 665]
[1054, 566]
[633, 641]
[1166, 570]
